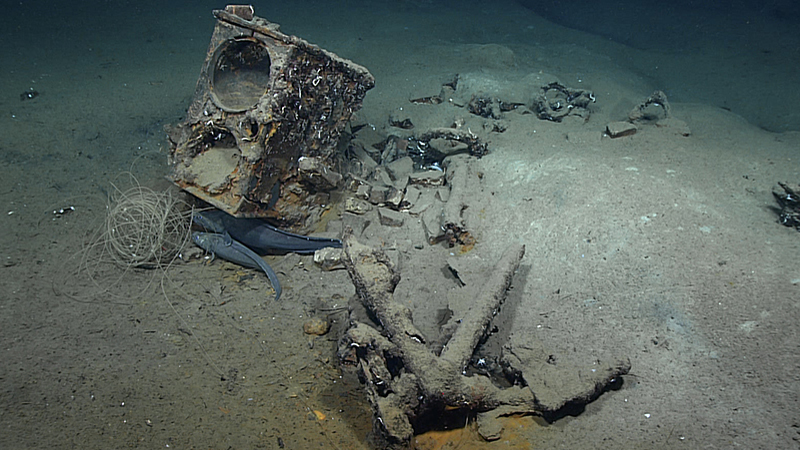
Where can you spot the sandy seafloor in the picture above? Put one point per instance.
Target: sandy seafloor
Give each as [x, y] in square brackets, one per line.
[659, 247]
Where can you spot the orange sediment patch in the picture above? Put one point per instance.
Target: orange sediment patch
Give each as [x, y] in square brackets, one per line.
[515, 429]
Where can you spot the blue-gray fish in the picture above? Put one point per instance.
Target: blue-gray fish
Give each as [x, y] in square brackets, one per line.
[260, 236]
[225, 247]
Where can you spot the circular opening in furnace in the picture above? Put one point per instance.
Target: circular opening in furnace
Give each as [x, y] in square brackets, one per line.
[240, 74]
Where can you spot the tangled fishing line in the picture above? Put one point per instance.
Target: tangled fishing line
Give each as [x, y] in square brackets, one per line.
[145, 228]
[142, 229]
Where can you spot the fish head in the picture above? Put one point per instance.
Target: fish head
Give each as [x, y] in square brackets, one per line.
[206, 221]
[202, 240]
[211, 242]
